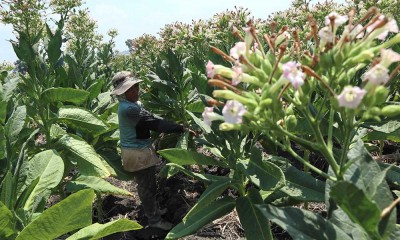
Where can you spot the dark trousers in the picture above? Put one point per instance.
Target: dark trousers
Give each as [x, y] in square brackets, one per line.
[147, 188]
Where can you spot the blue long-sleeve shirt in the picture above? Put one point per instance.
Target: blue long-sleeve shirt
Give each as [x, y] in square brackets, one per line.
[135, 124]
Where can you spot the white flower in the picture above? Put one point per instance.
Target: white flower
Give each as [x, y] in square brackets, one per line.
[356, 30]
[326, 36]
[233, 112]
[238, 49]
[338, 19]
[376, 75]
[351, 97]
[388, 57]
[383, 31]
[237, 75]
[292, 73]
[210, 69]
[209, 115]
[213, 69]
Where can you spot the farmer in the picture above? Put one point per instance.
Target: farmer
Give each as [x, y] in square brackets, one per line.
[138, 155]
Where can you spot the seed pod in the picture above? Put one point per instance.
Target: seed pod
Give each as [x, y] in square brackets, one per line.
[391, 110]
[291, 122]
[265, 103]
[289, 109]
[374, 111]
[266, 66]
[381, 94]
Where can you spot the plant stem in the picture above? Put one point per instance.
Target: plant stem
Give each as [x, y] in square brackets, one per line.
[323, 148]
[303, 161]
[99, 208]
[344, 149]
[330, 128]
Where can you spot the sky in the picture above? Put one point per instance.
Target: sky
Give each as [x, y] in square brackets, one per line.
[133, 18]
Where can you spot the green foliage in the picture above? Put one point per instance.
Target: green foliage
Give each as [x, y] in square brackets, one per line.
[72, 213]
[209, 213]
[87, 160]
[311, 226]
[47, 168]
[96, 231]
[6, 222]
[256, 225]
[58, 114]
[98, 184]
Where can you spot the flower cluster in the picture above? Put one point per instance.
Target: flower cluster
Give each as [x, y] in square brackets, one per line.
[261, 85]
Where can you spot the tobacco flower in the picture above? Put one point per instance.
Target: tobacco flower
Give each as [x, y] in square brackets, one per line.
[233, 112]
[351, 97]
[292, 73]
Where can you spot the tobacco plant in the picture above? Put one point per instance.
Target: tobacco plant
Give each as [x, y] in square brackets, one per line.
[304, 95]
[49, 129]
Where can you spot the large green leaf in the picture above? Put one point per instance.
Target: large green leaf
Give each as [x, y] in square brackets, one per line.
[74, 73]
[185, 157]
[81, 119]
[302, 224]
[366, 175]
[97, 231]
[358, 206]
[264, 174]
[299, 184]
[72, 213]
[376, 135]
[3, 110]
[89, 162]
[114, 160]
[72, 95]
[7, 222]
[206, 178]
[385, 127]
[7, 193]
[212, 192]
[200, 123]
[196, 107]
[54, 45]
[2, 143]
[196, 221]
[49, 168]
[256, 226]
[9, 87]
[183, 141]
[98, 184]
[15, 124]
[95, 89]
[386, 131]
[393, 174]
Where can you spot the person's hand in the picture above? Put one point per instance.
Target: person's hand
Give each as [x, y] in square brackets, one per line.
[192, 132]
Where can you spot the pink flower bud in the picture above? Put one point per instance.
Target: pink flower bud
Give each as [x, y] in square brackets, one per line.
[292, 73]
[238, 49]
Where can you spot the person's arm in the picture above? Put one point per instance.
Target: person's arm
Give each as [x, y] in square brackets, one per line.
[151, 122]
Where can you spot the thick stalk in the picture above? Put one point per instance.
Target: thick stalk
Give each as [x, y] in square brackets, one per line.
[345, 146]
[293, 137]
[323, 148]
[330, 129]
[289, 149]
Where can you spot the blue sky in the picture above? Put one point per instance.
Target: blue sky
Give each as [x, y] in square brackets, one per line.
[132, 18]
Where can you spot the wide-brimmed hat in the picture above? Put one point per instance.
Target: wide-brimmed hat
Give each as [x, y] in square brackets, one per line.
[122, 81]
